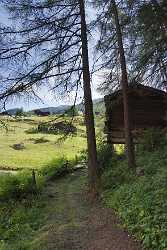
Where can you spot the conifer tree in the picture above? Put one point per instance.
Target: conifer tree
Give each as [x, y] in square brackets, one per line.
[47, 46]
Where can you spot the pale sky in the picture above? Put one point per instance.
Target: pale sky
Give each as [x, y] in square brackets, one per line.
[47, 98]
[50, 100]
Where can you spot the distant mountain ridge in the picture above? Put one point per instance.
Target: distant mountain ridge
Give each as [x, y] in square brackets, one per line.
[54, 110]
[98, 105]
[11, 111]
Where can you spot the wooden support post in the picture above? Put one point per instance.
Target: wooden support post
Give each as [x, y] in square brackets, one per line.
[34, 183]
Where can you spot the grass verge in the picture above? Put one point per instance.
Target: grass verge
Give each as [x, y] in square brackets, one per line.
[141, 201]
[23, 183]
[22, 208]
[19, 221]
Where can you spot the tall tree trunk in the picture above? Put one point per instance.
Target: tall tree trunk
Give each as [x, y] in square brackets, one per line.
[93, 176]
[124, 82]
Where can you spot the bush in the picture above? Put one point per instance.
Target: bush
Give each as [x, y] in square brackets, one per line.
[71, 112]
[61, 127]
[152, 162]
[108, 155]
[116, 174]
[83, 156]
[20, 112]
[105, 154]
[9, 186]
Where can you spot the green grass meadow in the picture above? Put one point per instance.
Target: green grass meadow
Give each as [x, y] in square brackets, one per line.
[23, 204]
[140, 200]
[35, 155]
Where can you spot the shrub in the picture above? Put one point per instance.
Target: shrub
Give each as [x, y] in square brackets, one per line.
[20, 112]
[9, 186]
[152, 162]
[108, 154]
[71, 112]
[105, 154]
[57, 128]
[83, 156]
[117, 173]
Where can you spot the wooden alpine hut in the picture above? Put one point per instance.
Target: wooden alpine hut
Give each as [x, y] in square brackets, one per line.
[148, 109]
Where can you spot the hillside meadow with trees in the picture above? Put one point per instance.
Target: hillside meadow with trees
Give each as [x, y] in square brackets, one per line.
[92, 176]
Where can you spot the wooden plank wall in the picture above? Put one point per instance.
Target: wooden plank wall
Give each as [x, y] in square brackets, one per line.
[147, 109]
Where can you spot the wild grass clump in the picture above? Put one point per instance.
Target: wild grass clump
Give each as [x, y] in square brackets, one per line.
[143, 208]
[152, 139]
[57, 168]
[141, 201]
[39, 140]
[19, 185]
[33, 130]
[22, 211]
[105, 154]
[19, 221]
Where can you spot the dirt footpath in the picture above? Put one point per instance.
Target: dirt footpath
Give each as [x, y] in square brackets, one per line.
[75, 223]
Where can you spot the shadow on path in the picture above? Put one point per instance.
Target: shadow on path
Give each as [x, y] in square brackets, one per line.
[75, 223]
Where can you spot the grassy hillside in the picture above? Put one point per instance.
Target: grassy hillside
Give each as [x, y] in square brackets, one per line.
[139, 199]
[40, 148]
[98, 105]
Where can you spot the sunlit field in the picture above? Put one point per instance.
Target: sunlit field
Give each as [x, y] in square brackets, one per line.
[40, 148]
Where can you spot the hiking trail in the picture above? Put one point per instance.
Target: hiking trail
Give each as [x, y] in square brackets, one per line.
[73, 222]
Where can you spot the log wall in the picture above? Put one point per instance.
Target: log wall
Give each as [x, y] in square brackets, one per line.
[148, 108]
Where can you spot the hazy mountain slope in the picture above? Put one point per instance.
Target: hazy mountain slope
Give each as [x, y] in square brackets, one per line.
[98, 105]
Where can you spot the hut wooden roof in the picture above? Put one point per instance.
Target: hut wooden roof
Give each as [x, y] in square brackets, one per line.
[139, 89]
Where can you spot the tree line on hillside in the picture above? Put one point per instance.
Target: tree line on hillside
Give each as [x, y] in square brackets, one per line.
[46, 44]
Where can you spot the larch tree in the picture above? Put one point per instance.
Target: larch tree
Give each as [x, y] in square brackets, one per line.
[150, 32]
[143, 25]
[46, 45]
[132, 48]
[91, 138]
[111, 47]
[124, 84]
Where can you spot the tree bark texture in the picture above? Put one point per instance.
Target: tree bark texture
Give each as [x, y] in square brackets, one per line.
[89, 116]
[124, 83]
